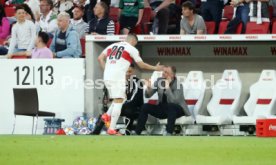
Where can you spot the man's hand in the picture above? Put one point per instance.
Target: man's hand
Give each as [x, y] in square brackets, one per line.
[9, 56]
[159, 67]
[138, 23]
[28, 53]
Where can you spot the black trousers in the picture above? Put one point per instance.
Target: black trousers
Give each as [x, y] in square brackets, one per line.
[168, 111]
[212, 11]
[131, 111]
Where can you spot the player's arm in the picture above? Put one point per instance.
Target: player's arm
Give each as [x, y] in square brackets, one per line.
[146, 66]
[101, 60]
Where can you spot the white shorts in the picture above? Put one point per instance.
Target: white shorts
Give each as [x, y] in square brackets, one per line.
[116, 89]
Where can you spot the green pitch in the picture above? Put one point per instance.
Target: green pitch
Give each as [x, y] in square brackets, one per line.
[131, 150]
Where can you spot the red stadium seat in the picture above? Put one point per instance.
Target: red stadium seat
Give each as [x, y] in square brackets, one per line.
[82, 41]
[49, 42]
[274, 27]
[10, 11]
[223, 27]
[211, 26]
[228, 12]
[253, 28]
[117, 28]
[19, 57]
[143, 27]
[114, 13]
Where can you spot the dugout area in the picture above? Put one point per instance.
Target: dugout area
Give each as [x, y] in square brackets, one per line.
[211, 54]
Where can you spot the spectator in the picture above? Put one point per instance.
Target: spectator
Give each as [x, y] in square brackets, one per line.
[66, 42]
[170, 101]
[241, 15]
[77, 21]
[101, 24]
[89, 14]
[23, 33]
[259, 11]
[34, 5]
[29, 13]
[211, 10]
[4, 24]
[47, 22]
[40, 50]
[64, 6]
[164, 11]
[191, 23]
[131, 14]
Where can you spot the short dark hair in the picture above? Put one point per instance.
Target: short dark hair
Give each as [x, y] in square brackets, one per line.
[49, 2]
[132, 65]
[20, 7]
[105, 7]
[44, 37]
[79, 7]
[189, 5]
[173, 68]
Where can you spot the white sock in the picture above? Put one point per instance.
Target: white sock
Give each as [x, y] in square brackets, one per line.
[251, 9]
[116, 112]
[259, 13]
[234, 14]
[109, 111]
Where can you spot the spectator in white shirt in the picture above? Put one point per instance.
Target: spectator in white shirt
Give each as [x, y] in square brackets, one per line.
[23, 33]
[47, 22]
[77, 22]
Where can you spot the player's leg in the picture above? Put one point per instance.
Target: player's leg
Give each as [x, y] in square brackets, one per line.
[116, 112]
[117, 93]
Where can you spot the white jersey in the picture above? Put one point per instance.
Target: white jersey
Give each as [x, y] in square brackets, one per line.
[119, 56]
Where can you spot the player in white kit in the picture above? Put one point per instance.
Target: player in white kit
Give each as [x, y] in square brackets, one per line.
[115, 60]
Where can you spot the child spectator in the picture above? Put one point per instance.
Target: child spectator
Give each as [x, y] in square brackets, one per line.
[40, 50]
[23, 33]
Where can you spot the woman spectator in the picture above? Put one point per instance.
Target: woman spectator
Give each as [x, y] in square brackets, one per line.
[131, 14]
[4, 24]
[101, 24]
[29, 13]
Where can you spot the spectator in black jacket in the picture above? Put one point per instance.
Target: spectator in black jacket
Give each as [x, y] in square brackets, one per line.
[131, 108]
[88, 13]
[101, 24]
